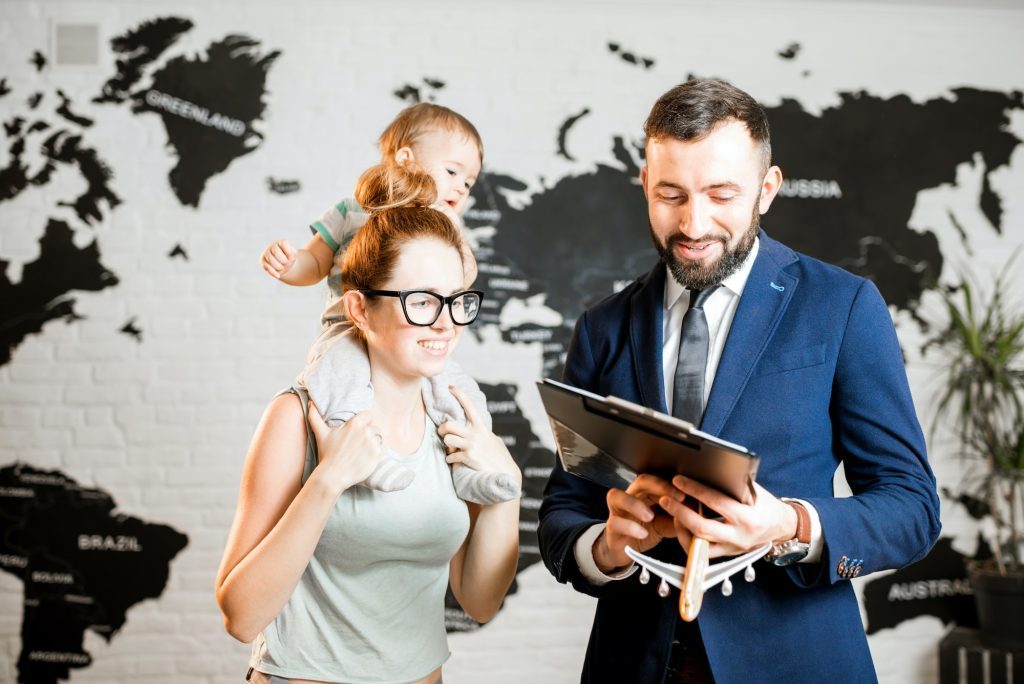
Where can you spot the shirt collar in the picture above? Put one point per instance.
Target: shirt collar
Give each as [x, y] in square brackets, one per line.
[734, 283]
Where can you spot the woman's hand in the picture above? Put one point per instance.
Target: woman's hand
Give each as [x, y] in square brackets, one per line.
[347, 454]
[474, 445]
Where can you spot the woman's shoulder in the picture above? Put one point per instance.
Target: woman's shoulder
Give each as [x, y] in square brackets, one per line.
[278, 447]
[284, 415]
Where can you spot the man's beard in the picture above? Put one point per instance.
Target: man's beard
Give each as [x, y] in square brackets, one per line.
[695, 275]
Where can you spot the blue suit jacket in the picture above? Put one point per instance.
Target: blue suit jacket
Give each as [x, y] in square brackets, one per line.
[811, 376]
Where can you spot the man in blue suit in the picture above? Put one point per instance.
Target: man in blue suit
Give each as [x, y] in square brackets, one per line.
[793, 358]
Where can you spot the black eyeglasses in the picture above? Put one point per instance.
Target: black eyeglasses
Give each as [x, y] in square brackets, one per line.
[423, 307]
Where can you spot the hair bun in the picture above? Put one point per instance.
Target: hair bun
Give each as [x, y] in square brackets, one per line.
[388, 186]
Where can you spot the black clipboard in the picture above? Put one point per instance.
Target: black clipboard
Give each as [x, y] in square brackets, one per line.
[610, 441]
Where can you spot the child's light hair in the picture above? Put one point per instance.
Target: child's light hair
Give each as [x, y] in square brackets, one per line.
[424, 117]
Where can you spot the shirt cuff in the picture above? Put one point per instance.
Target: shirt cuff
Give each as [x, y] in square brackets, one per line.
[817, 539]
[584, 552]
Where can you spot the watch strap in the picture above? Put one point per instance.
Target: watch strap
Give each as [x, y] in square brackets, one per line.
[803, 522]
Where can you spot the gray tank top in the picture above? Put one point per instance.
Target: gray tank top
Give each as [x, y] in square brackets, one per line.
[370, 605]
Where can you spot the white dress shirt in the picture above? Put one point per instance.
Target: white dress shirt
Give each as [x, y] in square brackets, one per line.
[719, 310]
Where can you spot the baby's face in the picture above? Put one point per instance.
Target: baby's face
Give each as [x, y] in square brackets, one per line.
[453, 161]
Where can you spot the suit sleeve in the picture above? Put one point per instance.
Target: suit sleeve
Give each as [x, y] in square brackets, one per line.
[572, 505]
[892, 519]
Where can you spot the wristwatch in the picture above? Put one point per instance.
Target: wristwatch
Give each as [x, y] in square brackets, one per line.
[795, 549]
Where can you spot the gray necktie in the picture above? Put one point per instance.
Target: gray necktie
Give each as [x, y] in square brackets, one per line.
[688, 388]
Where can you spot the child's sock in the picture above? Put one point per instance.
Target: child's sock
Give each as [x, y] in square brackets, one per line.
[389, 476]
[337, 377]
[483, 487]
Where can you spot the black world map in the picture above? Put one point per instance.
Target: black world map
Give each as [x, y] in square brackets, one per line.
[853, 174]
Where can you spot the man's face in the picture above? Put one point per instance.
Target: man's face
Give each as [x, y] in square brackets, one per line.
[704, 201]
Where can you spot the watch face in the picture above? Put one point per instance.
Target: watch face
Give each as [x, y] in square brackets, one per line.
[789, 557]
[789, 552]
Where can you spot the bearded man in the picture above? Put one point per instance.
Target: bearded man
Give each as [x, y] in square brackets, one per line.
[795, 359]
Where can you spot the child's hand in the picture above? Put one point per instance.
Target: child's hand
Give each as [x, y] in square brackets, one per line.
[450, 212]
[469, 266]
[468, 259]
[278, 258]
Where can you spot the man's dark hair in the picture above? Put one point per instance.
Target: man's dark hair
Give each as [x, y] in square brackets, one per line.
[693, 109]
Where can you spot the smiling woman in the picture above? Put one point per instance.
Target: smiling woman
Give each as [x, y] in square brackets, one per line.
[335, 582]
[409, 247]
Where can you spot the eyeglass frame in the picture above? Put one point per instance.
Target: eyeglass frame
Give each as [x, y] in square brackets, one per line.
[402, 294]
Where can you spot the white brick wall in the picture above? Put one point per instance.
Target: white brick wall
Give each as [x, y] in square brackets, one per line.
[163, 425]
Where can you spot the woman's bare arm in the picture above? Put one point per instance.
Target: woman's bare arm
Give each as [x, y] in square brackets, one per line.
[278, 521]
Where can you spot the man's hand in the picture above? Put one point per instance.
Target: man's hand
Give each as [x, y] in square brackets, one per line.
[633, 521]
[744, 526]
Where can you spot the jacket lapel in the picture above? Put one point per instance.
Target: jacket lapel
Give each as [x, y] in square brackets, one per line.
[766, 295]
[646, 309]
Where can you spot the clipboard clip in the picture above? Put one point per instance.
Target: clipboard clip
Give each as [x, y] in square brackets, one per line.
[698, 575]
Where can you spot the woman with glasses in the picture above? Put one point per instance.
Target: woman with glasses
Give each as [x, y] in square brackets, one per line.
[335, 582]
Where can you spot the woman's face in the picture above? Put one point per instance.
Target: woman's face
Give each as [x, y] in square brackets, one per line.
[407, 350]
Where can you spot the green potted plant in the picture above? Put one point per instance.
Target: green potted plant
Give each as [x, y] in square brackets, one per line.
[982, 403]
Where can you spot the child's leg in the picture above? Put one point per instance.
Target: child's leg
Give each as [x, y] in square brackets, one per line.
[337, 377]
[470, 485]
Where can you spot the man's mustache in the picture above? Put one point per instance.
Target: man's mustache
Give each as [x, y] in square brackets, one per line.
[685, 241]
